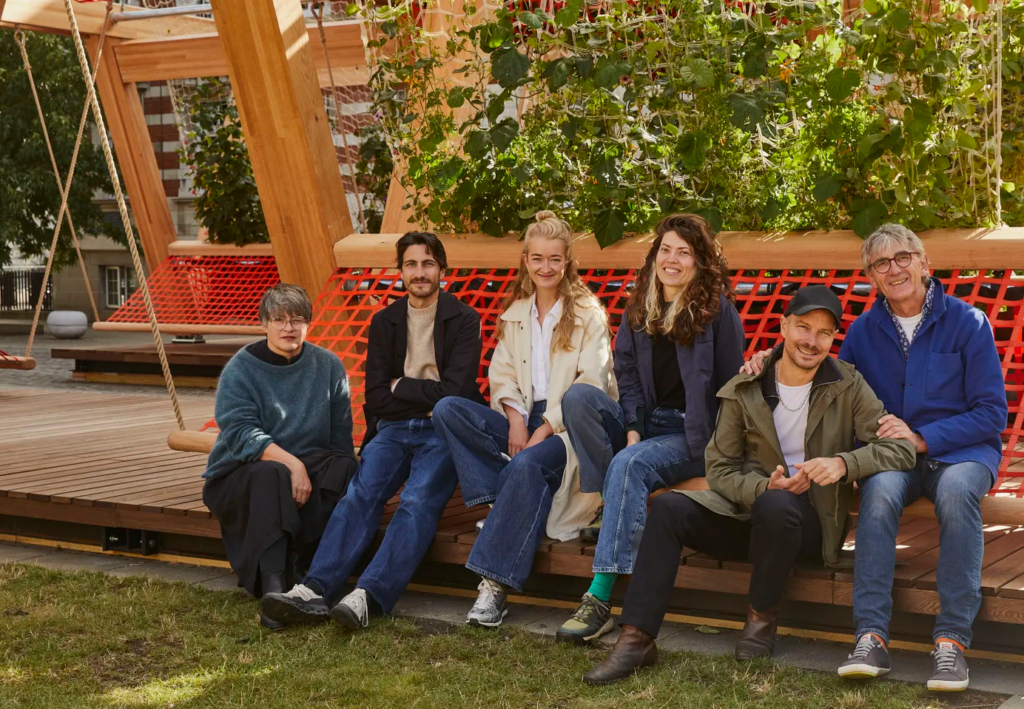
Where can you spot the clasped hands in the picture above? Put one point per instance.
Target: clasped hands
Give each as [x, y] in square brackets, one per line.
[823, 471]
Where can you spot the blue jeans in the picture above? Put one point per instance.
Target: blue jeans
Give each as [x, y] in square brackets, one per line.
[625, 476]
[956, 490]
[407, 452]
[521, 489]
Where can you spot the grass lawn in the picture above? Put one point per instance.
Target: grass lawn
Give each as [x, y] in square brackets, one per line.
[88, 640]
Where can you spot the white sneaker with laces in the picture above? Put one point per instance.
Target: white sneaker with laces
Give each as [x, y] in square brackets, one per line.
[352, 611]
[299, 606]
[491, 605]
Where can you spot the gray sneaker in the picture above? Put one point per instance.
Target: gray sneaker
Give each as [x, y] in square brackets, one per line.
[352, 611]
[591, 620]
[870, 658]
[949, 668]
[491, 605]
[299, 606]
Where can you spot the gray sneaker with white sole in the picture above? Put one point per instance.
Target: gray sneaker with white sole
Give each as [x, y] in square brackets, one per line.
[949, 668]
[870, 658]
[491, 605]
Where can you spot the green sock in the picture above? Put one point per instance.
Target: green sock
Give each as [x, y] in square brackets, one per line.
[601, 586]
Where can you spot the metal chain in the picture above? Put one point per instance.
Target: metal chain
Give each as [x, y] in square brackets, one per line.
[123, 207]
[19, 38]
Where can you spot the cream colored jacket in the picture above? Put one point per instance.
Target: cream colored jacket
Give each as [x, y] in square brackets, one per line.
[589, 362]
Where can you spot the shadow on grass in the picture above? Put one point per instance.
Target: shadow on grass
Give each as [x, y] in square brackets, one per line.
[88, 640]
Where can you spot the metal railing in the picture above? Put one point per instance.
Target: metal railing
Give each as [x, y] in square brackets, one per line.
[19, 290]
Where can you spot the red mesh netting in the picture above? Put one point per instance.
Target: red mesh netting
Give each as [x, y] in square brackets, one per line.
[204, 290]
[350, 298]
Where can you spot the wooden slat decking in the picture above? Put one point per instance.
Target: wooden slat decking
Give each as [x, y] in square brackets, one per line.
[101, 459]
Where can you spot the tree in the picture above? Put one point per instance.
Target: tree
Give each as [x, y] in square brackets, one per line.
[29, 197]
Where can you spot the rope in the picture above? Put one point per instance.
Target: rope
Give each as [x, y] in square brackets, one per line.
[19, 37]
[122, 206]
[337, 109]
[90, 88]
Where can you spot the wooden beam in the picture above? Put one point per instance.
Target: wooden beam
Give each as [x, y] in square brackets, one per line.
[967, 249]
[270, 61]
[205, 248]
[135, 157]
[193, 56]
[50, 16]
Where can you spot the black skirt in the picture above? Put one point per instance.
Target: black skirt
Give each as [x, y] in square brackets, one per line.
[254, 506]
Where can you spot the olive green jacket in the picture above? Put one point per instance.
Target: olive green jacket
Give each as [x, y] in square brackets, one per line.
[745, 448]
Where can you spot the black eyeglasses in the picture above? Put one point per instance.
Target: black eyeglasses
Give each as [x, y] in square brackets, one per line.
[902, 259]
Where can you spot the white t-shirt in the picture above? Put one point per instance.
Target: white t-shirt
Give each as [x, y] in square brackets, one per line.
[791, 426]
[540, 351]
[909, 325]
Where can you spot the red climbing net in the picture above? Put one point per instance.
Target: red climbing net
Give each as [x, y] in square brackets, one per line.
[204, 290]
[350, 298]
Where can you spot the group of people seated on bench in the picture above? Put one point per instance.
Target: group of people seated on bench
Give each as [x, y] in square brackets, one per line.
[579, 432]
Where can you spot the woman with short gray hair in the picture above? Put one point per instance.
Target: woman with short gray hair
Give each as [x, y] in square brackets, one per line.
[284, 455]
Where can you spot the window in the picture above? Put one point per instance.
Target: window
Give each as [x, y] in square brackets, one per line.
[119, 283]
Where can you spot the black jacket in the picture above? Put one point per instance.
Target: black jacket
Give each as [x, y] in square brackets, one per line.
[457, 347]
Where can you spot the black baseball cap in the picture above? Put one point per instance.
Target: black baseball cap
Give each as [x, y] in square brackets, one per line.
[811, 298]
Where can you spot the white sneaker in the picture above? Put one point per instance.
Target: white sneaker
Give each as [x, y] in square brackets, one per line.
[480, 522]
[491, 605]
[299, 606]
[352, 611]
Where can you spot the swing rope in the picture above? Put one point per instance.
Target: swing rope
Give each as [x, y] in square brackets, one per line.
[90, 88]
[121, 205]
[337, 110]
[19, 38]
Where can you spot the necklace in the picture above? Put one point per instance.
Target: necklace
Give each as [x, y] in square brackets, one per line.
[783, 401]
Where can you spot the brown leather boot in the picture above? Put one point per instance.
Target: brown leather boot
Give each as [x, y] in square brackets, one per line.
[758, 636]
[633, 650]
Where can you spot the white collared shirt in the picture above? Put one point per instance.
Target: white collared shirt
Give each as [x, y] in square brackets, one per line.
[540, 352]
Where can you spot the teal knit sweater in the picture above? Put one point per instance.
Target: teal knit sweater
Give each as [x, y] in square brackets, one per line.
[303, 407]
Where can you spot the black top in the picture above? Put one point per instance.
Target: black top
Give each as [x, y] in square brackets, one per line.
[457, 347]
[261, 350]
[668, 382]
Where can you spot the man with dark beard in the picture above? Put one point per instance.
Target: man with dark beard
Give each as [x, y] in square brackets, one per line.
[780, 467]
[423, 347]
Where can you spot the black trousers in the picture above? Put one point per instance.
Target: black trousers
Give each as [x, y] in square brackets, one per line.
[254, 506]
[783, 529]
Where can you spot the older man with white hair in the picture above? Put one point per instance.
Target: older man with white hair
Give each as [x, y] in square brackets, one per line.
[931, 358]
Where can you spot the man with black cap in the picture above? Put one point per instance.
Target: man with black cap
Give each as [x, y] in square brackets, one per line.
[780, 468]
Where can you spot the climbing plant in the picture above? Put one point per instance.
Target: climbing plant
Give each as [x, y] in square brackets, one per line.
[758, 115]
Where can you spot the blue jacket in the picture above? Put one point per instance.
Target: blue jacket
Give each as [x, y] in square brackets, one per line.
[714, 357]
[959, 421]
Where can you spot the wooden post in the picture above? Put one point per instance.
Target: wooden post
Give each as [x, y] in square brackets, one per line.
[135, 157]
[287, 133]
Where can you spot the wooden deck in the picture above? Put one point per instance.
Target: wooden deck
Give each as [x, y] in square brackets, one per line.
[100, 459]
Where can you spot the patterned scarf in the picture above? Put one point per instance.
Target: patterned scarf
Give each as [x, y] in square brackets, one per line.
[929, 299]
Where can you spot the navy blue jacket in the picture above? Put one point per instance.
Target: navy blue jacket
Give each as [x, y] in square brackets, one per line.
[706, 365]
[929, 391]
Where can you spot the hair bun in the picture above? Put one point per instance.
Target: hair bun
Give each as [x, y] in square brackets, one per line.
[545, 214]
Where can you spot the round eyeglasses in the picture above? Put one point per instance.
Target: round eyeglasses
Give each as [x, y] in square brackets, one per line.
[902, 259]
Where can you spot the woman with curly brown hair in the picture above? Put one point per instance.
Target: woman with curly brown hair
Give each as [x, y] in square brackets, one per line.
[680, 342]
[553, 334]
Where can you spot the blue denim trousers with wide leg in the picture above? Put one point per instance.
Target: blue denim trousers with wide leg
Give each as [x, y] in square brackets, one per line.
[521, 488]
[625, 476]
[956, 490]
[409, 452]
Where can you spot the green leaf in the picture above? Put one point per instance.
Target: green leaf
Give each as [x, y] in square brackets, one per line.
[899, 18]
[609, 71]
[966, 141]
[530, 20]
[351, 9]
[571, 127]
[557, 73]
[477, 143]
[693, 149]
[870, 6]
[980, 6]
[868, 215]
[605, 169]
[456, 98]
[826, 187]
[746, 111]
[711, 215]
[609, 225]
[509, 67]
[584, 66]
[504, 133]
[840, 83]
[567, 16]
[697, 72]
[900, 190]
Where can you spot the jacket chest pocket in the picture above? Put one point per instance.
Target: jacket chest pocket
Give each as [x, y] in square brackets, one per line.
[944, 379]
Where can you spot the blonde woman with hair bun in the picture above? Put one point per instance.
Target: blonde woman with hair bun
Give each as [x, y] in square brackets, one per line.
[516, 455]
